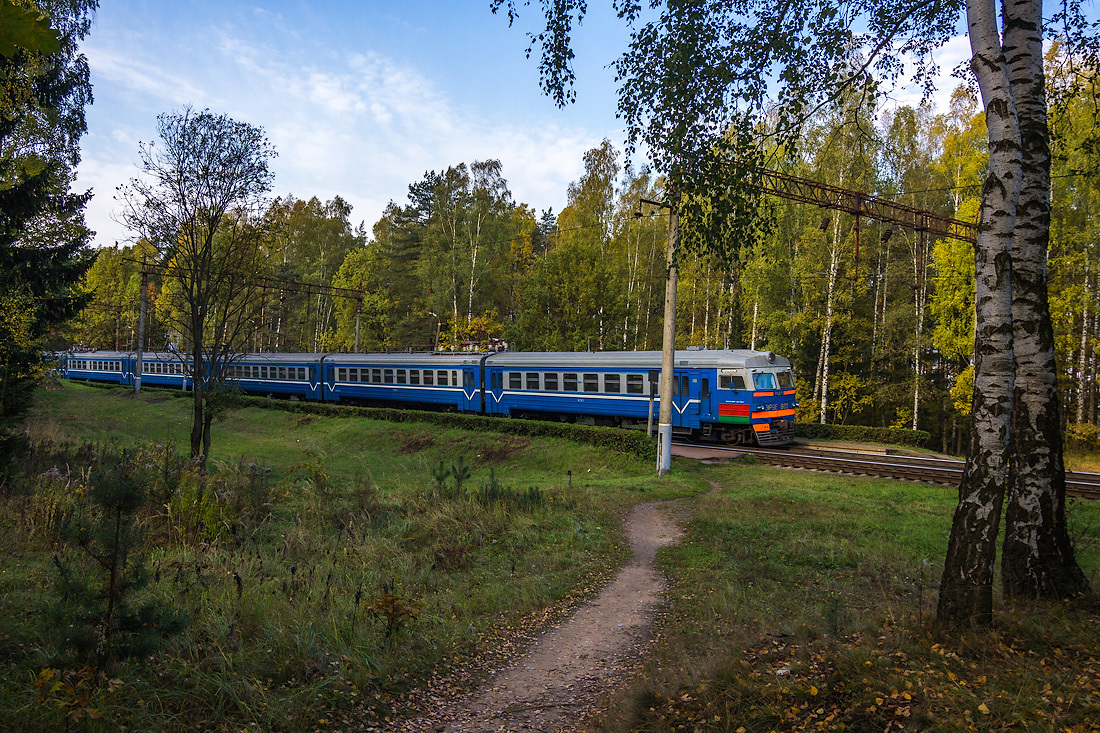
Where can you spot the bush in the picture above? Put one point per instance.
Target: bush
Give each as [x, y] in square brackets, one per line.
[862, 433]
[101, 614]
[1083, 437]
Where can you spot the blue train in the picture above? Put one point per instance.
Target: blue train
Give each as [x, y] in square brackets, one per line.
[733, 396]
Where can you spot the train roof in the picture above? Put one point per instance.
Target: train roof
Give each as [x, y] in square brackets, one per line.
[699, 358]
[426, 358]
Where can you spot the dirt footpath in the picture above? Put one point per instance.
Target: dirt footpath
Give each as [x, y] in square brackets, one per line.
[570, 666]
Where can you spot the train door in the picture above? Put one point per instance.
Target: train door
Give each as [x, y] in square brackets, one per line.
[470, 401]
[682, 400]
[494, 392]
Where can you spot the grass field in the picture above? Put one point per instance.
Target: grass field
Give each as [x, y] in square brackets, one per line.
[805, 602]
[324, 572]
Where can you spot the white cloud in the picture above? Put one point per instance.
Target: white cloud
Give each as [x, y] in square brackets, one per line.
[356, 125]
[948, 57]
[137, 78]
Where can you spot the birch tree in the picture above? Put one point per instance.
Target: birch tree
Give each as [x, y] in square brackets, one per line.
[693, 83]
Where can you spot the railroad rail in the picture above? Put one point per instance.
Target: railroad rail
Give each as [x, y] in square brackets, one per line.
[945, 471]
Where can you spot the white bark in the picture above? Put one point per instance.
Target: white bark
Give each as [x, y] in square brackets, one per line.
[1083, 385]
[827, 331]
[920, 298]
[966, 589]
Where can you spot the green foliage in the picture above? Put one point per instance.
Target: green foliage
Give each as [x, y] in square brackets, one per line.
[440, 474]
[962, 391]
[100, 613]
[460, 472]
[23, 29]
[862, 433]
[1083, 437]
[492, 491]
[43, 241]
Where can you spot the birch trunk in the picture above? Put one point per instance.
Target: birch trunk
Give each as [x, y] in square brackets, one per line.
[1083, 385]
[1037, 557]
[755, 307]
[966, 589]
[1094, 376]
[920, 296]
[827, 332]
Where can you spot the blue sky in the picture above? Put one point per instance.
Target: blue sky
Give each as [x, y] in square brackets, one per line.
[359, 98]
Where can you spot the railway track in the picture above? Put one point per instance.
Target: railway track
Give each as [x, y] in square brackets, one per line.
[943, 471]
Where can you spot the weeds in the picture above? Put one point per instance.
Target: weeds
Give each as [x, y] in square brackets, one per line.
[393, 608]
[99, 614]
[492, 491]
[273, 569]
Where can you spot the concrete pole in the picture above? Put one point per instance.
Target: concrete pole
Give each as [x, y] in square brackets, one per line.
[141, 328]
[664, 422]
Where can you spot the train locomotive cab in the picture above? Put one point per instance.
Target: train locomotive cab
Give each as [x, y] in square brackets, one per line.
[755, 400]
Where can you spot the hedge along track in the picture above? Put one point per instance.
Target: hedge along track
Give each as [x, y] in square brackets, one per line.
[944, 471]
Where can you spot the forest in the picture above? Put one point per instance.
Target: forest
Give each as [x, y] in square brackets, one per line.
[877, 320]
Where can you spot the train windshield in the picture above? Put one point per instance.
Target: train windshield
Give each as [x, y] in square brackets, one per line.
[786, 380]
[764, 380]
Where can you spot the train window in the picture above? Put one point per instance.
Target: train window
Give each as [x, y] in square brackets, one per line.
[611, 383]
[705, 388]
[734, 382]
[375, 376]
[515, 380]
[282, 372]
[675, 386]
[591, 382]
[764, 380]
[454, 378]
[401, 376]
[387, 376]
[634, 383]
[786, 380]
[441, 378]
[550, 382]
[353, 375]
[569, 382]
[532, 380]
[263, 372]
[429, 377]
[467, 379]
[414, 376]
[302, 374]
[684, 390]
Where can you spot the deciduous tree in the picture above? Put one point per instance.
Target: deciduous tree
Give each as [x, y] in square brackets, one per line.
[199, 204]
[44, 88]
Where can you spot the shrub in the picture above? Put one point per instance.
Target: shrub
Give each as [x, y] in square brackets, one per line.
[630, 442]
[862, 433]
[99, 613]
[1083, 436]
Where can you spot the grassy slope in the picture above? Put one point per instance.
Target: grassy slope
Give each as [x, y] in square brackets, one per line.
[352, 514]
[800, 601]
